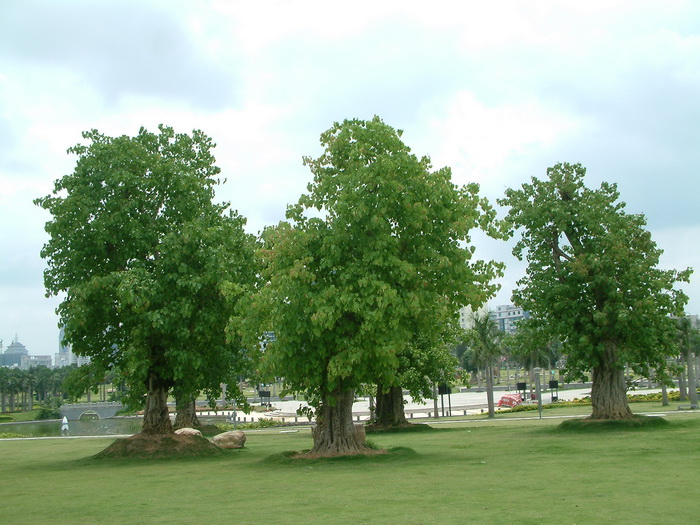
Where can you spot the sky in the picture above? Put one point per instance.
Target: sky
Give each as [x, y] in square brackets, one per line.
[497, 91]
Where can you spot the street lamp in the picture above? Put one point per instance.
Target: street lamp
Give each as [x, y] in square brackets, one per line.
[538, 390]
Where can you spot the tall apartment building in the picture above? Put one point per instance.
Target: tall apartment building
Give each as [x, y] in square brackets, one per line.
[507, 317]
[466, 313]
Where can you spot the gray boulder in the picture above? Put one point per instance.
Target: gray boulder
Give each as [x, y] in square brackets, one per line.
[186, 431]
[231, 439]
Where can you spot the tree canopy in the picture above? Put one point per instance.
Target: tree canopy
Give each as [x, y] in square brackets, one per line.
[593, 281]
[373, 263]
[142, 255]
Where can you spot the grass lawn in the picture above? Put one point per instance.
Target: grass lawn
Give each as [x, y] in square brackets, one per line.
[491, 472]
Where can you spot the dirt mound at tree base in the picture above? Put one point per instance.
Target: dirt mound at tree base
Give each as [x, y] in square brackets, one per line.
[154, 447]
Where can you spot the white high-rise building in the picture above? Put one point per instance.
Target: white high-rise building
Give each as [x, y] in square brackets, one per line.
[466, 315]
[507, 317]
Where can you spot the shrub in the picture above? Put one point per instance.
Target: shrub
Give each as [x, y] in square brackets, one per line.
[260, 423]
[47, 412]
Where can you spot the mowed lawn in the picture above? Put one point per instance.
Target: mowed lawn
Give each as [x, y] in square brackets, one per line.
[496, 472]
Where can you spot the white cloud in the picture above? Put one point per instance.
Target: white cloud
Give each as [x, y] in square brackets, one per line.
[480, 141]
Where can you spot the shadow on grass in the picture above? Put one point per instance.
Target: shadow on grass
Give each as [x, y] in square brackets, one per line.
[612, 425]
[420, 428]
[291, 458]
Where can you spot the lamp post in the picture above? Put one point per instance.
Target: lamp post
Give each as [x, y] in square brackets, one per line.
[538, 390]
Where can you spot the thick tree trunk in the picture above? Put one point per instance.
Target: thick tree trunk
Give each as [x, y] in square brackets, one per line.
[609, 391]
[186, 416]
[156, 419]
[389, 409]
[334, 433]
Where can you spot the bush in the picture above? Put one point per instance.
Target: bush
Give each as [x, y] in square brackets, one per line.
[46, 412]
[254, 425]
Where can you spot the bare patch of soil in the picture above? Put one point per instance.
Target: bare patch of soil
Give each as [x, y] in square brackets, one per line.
[154, 447]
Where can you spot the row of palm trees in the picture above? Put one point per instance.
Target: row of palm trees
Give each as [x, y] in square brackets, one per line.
[20, 389]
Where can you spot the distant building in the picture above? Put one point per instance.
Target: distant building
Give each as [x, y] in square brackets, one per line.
[16, 355]
[13, 354]
[507, 317]
[65, 355]
[37, 360]
[466, 315]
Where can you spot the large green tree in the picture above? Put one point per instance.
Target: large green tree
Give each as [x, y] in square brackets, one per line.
[421, 365]
[142, 255]
[593, 281]
[373, 264]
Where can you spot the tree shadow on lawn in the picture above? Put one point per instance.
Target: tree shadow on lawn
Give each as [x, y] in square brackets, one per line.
[589, 426]
[296, 458]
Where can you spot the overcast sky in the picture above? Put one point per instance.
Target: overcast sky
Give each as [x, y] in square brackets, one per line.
[498, 91]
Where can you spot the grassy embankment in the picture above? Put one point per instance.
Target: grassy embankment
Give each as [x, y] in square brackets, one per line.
[488, 472]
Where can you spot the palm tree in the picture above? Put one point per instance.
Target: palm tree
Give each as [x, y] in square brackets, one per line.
[4, 386]
[483, 341]
[685, 337]
[14, 386]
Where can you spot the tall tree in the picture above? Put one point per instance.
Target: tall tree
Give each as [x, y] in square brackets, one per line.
[420, 367]
[384, 258]
[687, 341]
[484, 347]
[142, 255]
[593, 281]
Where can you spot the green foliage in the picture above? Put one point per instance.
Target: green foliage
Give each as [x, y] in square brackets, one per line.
[532, 346]
[363, 284]
[144, 257]
[483, 342]
[592, 280]
[253, 425]
[48, 412]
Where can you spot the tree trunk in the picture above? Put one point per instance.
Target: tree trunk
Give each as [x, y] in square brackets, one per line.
[682, 390]
[692, 385]
[156, 419]
[389, 410]
[609, 392]
[489, 391]
[664, 395]
[186, 416]
[334, 433]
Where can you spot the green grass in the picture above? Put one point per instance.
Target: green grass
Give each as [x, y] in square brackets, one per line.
[503, 471]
